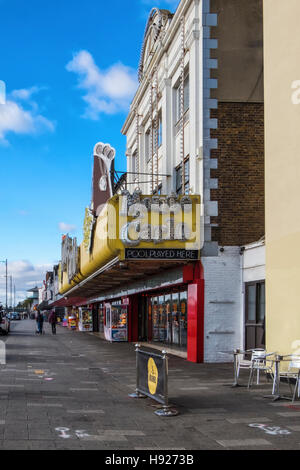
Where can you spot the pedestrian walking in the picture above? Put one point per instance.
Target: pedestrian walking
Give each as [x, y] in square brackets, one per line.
[39, 322]
[52, 320]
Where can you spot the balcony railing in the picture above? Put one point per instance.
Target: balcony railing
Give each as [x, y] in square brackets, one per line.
[119, 181]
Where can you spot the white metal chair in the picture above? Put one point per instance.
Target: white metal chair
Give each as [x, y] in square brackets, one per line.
[242, 363]
[293, 372]
[259, 359]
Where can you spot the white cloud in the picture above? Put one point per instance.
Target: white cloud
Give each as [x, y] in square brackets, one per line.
[66, 228]
[15, 118]
[109, 91]
[24, 93]
[24, 276]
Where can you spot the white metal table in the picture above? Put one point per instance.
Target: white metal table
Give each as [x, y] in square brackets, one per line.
[275, 395]
[235, 353]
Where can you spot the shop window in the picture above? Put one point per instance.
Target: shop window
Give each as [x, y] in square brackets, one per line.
[169, 319]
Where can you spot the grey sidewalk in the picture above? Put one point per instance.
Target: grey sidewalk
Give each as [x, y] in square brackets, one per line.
[70, 391]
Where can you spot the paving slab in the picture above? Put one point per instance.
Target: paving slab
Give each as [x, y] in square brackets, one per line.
[70, 391]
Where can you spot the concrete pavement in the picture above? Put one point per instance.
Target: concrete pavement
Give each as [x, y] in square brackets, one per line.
[70, 391]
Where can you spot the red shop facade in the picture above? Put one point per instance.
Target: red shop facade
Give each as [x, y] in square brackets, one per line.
[169, 316]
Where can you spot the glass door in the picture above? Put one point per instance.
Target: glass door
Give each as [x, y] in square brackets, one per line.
[255, 315]
[162, 319]
[183, 320]
[155, 319]
[175, 319]
[168, 303]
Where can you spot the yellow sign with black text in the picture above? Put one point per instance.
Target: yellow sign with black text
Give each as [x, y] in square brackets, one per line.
[152, 376]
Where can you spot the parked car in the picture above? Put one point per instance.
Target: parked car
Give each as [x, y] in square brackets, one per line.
[15, 316]
[4, 324]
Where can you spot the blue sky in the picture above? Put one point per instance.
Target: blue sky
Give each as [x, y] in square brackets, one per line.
[70, 69]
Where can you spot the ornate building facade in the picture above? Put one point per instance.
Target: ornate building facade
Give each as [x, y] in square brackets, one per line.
[171, 274]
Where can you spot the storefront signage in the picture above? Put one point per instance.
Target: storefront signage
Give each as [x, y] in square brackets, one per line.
[151, 375]
[69, 257]
[158, 219]
[160, 253]
[137, 227]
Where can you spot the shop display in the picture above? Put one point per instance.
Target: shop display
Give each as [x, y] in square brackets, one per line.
[162, 320]
[155, 321]
[72, 322]
[72, 318]
[169, 319]
[85, 319]
[115, 328]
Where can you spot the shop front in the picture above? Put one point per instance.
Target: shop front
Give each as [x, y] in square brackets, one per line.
[169, 317]
[139, 269]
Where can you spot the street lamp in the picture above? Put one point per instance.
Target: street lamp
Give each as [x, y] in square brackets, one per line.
[5, 261]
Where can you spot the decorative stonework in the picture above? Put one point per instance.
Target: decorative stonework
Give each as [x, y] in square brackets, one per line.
[156, 26]
[88, 225]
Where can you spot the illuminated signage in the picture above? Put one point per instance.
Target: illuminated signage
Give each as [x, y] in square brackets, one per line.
[157, 219]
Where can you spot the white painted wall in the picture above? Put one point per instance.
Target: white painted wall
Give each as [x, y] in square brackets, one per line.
[254, 261]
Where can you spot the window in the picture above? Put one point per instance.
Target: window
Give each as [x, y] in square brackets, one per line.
[177, 104]
[157, 190]
[178, 177]
[159, 130]
[147, 146]
[134, 163]
[148, 138]
[255, 315]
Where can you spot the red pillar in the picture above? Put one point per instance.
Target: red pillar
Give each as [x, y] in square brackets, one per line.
[195, 341]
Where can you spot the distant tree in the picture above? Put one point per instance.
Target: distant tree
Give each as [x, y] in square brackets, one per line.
[26, 304]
